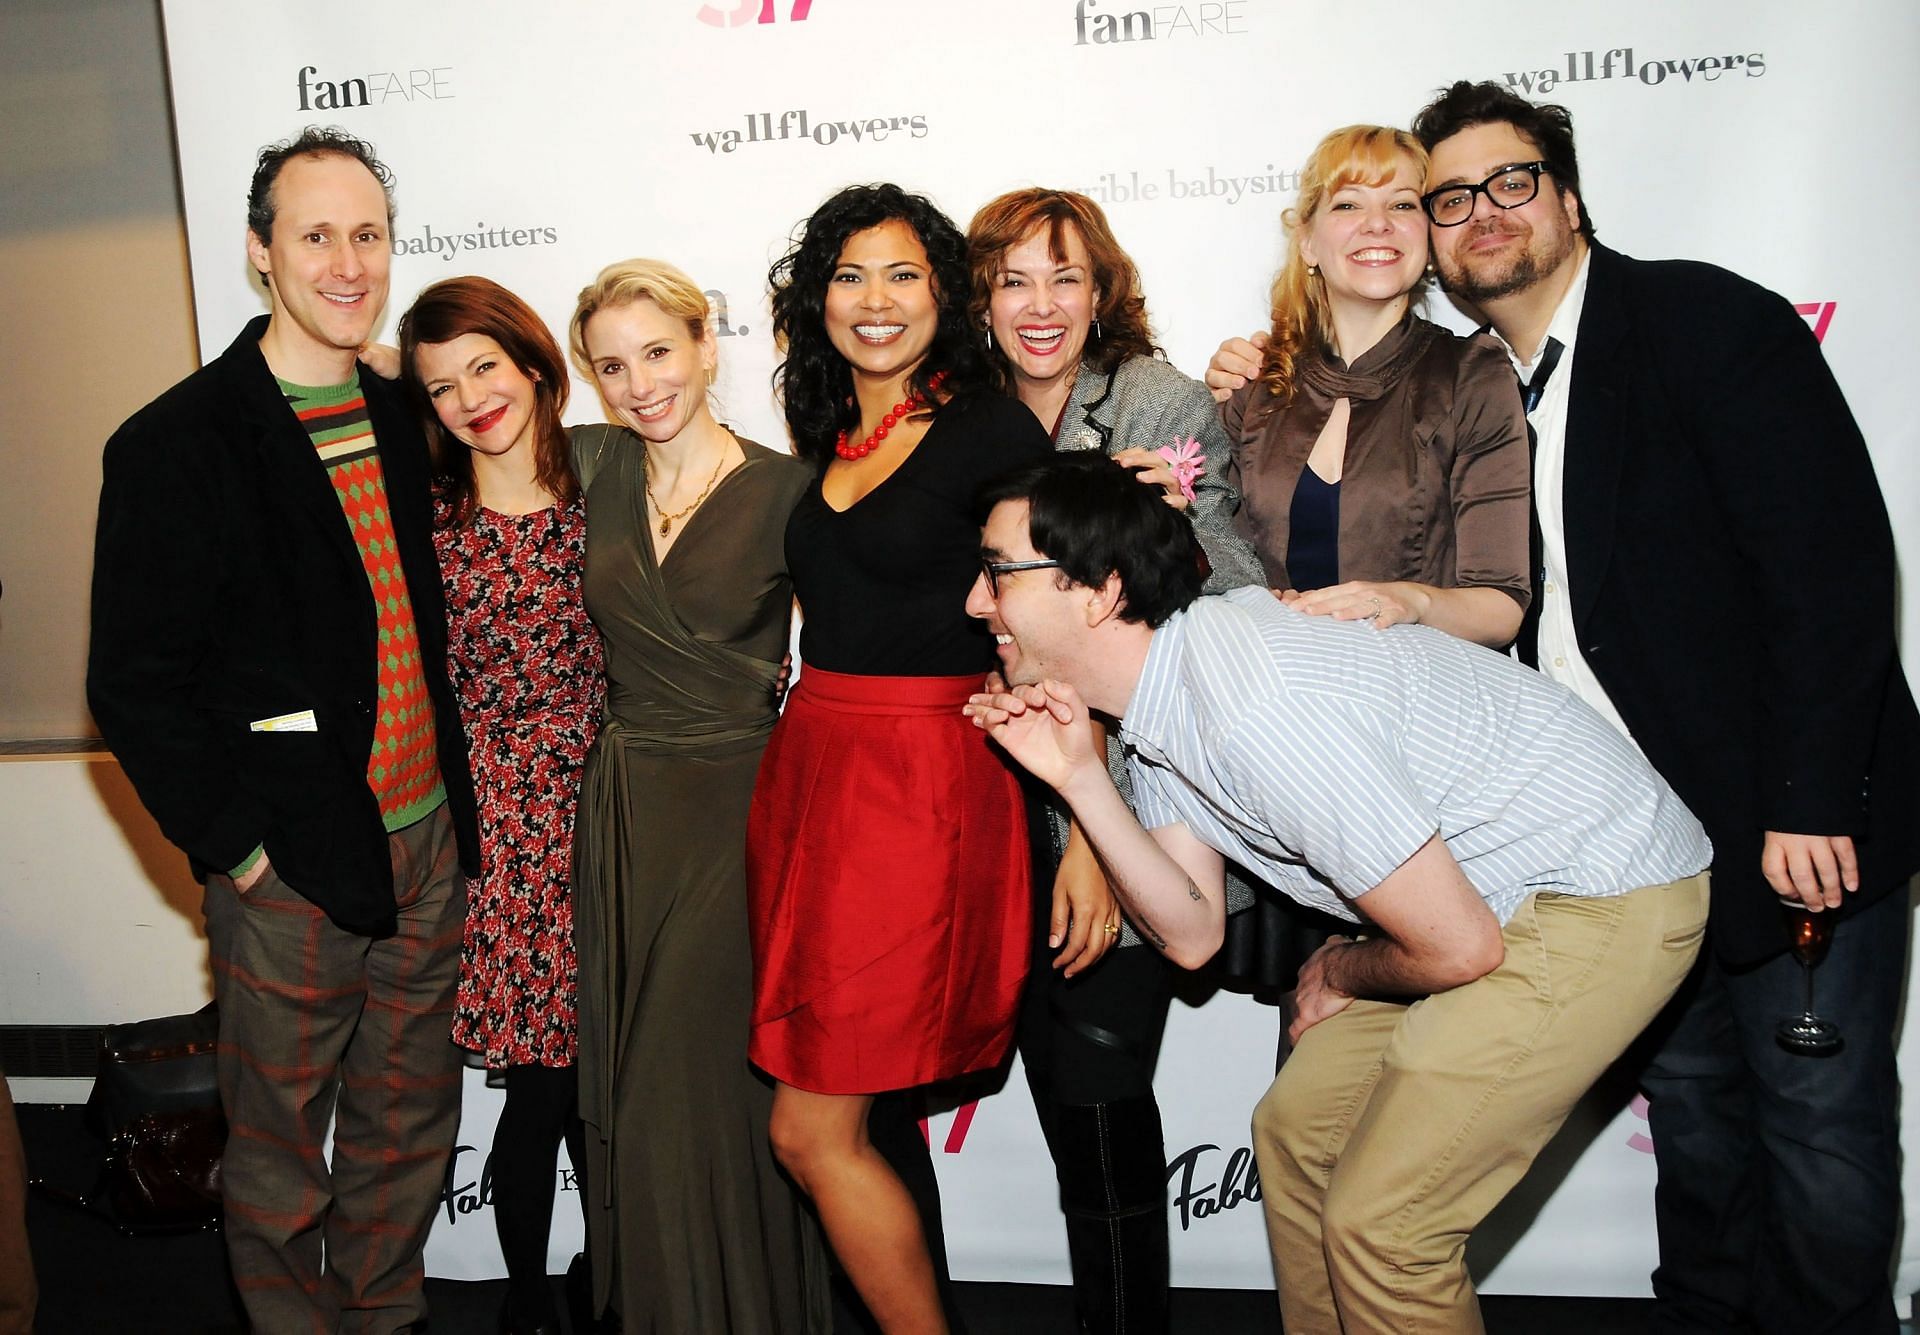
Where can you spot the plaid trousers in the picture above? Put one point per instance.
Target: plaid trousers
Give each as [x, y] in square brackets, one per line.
[316, 1022]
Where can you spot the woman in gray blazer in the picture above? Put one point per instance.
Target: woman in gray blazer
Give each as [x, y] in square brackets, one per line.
[1059, 305]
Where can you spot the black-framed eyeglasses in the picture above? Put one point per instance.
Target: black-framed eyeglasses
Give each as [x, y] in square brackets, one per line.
[993, 570]
[1508, 188]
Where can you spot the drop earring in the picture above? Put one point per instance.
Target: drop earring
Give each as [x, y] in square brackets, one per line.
[1096, 329]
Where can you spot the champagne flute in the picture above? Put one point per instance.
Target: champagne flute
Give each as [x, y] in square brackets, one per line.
[1810, 934]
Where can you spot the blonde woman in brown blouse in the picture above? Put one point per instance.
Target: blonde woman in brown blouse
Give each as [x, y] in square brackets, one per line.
[1382, 460]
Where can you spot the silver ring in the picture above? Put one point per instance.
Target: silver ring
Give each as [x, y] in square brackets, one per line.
[1375, 613]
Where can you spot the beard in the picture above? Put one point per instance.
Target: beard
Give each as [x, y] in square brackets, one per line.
[1543, 254]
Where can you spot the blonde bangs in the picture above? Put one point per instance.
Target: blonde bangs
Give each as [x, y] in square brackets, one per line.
[1361, 155]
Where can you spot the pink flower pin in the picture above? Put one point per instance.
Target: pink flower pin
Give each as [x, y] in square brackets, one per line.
[1185, 462]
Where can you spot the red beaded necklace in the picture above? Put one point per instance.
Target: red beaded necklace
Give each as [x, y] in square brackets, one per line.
[902, 410]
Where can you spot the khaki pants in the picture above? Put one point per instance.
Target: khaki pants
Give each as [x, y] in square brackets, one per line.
[1394, 1128]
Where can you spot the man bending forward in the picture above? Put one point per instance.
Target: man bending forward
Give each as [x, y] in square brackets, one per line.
[1528, 891]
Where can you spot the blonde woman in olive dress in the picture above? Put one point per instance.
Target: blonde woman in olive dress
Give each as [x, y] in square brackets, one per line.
[693, 1229]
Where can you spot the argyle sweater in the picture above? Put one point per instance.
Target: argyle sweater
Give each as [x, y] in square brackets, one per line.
[403, 769]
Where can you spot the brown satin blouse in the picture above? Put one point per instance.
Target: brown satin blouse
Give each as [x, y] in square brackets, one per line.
[1435, 486]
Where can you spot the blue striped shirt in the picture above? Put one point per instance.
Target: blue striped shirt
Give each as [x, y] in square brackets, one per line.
[1322, 754]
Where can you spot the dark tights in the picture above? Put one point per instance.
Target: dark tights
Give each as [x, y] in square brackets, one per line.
[541, 1109]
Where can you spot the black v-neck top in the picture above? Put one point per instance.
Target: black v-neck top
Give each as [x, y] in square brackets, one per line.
[883, 585]
[1313, 532]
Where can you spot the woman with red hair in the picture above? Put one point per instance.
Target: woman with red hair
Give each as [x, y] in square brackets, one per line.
[526, 665]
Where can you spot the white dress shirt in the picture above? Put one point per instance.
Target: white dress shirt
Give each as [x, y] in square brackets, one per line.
[1559, 646]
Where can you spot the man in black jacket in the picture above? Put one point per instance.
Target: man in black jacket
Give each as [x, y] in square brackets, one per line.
[268, 664]
[1716, 575]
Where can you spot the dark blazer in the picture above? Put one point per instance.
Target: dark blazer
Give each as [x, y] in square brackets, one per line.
[1732, 571]
[227, 589]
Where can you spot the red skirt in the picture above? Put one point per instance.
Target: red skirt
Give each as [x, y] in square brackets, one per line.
[888, 885]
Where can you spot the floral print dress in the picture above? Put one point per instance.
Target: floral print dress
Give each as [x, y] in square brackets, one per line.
[527, 669]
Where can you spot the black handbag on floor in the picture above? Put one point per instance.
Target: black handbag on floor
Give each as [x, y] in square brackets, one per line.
[154, 1066]
[156, 1103]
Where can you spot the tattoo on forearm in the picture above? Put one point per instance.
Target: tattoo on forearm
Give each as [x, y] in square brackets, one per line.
[1146, 929]
[1193, 893]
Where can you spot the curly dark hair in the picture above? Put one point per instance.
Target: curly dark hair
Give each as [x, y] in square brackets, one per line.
[1546, 125]
[813, 380]
[1092, 516]
[315, 141]
[1006, 221]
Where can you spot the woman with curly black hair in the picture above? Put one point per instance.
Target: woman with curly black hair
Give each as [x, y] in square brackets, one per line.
[886, 851]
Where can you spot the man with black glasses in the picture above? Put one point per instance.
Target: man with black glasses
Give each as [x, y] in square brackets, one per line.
[1528, 893]
[1716, 577]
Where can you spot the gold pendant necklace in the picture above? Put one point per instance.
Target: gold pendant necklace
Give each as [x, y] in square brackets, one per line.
[667, 521]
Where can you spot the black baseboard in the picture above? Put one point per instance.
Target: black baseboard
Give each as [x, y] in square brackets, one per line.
[50, 1051]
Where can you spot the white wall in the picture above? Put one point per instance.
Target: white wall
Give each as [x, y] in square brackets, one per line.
[101, 920]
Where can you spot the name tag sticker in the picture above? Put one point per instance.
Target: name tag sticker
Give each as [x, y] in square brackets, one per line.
[300, 721]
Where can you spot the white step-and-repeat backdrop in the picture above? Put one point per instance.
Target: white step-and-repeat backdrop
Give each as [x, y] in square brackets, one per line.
[535, 143]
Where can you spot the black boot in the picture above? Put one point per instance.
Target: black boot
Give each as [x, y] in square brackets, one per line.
[1112, 1165]
[579, 1289]
[512, 1324]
